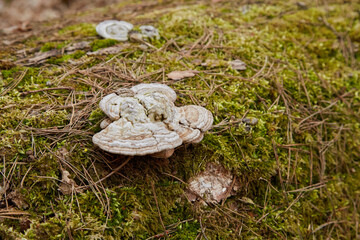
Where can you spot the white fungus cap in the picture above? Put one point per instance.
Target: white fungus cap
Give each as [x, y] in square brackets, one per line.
[144, 120]
[114, 29]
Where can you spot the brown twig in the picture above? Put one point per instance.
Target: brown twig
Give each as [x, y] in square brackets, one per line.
[279, 170]
[309, 188]
[47, 89]
[14, 84]
[115, 170]
[202, 229]
[158, 209]
[228, 190]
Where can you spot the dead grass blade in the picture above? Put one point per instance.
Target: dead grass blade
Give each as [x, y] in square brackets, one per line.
[14, 83]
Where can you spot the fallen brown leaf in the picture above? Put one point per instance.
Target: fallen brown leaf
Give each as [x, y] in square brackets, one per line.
[213, 185]
[18, 199]
[77, 46]
[238, 65]
[178, 75]
[68, 185]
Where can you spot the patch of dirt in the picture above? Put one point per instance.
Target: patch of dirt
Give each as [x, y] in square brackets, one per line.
[18, 12]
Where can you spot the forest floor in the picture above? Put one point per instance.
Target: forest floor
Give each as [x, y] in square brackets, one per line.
[298, 168]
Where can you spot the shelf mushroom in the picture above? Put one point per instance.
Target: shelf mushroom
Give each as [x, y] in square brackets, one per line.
[149, 31]
[143, 120]
[114, 29]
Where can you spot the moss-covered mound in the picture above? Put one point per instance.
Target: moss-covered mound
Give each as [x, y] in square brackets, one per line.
[298, 167]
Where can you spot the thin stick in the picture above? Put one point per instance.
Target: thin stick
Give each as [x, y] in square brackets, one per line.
[47, 89]
[157, 206]
[228, 191]
[115, 170]
[279, 170]
[309, 188]
[320, 111]
[202, 229]
[23, 179]
[15, 83]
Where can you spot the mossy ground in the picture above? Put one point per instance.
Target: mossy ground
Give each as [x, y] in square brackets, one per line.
[298, 167]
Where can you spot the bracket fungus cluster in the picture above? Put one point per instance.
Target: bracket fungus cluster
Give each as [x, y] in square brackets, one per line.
[114, 29]
[143, 120]
[121, 30]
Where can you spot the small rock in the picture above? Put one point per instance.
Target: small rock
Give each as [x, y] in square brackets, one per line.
[250, 121]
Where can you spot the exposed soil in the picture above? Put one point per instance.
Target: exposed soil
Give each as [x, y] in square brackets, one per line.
[23, 12]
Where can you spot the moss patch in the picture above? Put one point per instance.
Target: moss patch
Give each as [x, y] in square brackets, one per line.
[298, 167]
[102, 43]
[78, 30]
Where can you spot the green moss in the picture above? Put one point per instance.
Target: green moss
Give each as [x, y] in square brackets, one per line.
[102, 43]
[82, 30]
[6, 74]
[65, 58]
[52, 45]
[298, 167]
